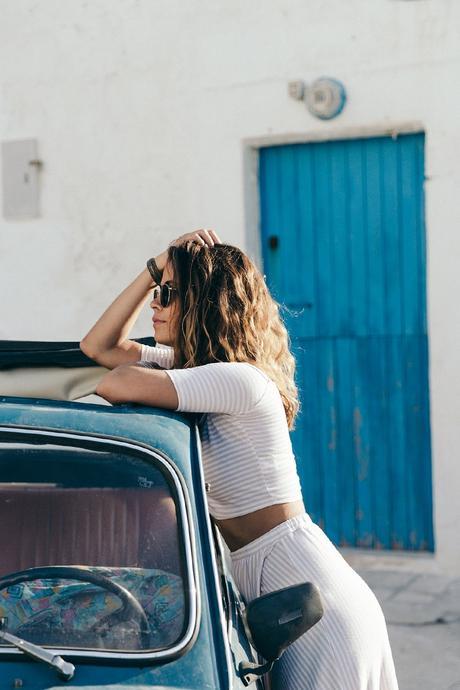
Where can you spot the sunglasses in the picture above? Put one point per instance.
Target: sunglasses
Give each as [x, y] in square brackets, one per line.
[163, 294]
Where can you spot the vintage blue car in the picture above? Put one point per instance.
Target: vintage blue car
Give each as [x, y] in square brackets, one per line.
[111, 573]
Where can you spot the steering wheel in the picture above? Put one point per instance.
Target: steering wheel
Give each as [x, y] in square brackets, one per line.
[131, 607]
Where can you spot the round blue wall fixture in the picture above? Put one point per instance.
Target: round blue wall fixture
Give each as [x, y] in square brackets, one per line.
[325, 98]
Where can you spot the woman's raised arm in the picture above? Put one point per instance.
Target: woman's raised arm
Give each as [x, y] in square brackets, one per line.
[107, 342]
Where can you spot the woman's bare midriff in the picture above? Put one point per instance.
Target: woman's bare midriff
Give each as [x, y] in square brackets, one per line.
[241, 530]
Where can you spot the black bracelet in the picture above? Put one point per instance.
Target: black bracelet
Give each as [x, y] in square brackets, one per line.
[154, 271]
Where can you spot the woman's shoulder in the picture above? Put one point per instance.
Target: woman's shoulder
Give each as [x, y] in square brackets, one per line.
[256, 367]
[249, 375]
[248, 369]
[226, 387]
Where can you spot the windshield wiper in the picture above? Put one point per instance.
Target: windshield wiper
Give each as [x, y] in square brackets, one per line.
[64, 669]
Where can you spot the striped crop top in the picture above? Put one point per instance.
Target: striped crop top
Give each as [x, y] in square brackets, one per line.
[247, 453]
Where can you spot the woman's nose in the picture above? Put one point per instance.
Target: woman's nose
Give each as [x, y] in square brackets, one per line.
[155, 303]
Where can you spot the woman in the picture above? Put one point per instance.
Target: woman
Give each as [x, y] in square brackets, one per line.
[229, 358]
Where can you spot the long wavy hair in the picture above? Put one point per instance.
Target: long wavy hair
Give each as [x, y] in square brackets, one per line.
[225, 313]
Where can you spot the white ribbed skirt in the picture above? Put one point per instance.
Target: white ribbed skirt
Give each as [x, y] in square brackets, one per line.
[349, 648]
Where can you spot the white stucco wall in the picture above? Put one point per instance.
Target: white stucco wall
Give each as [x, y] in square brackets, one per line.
[143, 110]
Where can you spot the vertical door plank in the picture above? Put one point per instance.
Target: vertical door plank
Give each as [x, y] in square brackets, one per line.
[381, 487]
[391, 224]
[291, 273]
[375, 241]
[345, 356]
[324, 256]
[306, 437]
[421, 231]
[306, 249]
[409, 205]
[340, 277]
[425, 460]
[357, 213]
[270, 213]
[396, 420]
[362, 446]
[328, 437]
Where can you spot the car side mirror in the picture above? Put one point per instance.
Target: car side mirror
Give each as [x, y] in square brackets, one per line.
[274, 621]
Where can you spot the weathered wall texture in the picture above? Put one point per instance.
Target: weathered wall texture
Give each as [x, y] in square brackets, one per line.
[142, 109]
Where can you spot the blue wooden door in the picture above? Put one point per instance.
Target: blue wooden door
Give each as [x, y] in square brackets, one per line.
[343, 242]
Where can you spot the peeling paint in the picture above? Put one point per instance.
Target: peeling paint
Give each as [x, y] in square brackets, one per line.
[397, 545]
[332, 443]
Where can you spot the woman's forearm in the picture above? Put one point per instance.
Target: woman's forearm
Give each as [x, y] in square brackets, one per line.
[107, 341]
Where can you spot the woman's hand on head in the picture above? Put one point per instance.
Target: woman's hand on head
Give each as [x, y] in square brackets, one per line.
[202, 236]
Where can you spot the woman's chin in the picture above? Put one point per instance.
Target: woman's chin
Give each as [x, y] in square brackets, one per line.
[160, 340]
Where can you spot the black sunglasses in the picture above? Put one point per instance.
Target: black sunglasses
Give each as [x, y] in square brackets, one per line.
[163, 294]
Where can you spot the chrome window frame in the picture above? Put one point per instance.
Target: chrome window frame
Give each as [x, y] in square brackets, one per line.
[186, 532]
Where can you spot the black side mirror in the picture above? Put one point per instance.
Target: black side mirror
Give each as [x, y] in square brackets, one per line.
[276, 620]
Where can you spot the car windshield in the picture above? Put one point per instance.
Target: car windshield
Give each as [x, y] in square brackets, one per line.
[90, 548]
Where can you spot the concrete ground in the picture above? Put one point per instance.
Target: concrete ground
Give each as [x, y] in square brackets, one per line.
[422, 609]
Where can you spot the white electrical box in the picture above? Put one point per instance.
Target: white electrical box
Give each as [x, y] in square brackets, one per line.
[20, 179]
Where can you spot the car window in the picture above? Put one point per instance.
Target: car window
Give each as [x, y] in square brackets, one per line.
[91, 548]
